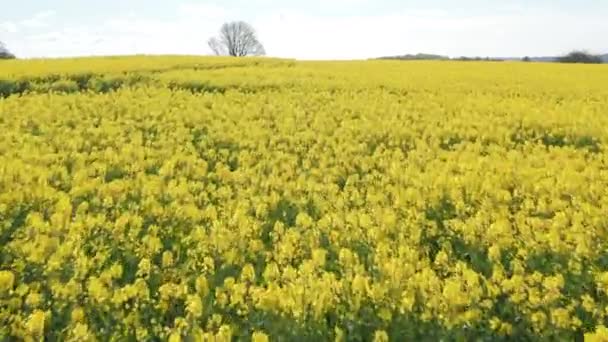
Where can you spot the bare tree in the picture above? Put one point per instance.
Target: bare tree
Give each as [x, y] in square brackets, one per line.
[4, 53]
[238, 39]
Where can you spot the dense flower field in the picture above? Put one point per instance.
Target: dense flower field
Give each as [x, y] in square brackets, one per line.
[188, 199]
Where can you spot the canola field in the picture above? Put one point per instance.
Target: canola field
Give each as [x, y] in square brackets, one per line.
[213, 199]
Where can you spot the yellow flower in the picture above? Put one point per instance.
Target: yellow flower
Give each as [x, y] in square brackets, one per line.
[167, 259]
[319, 256]
[599, 335]
[35, 323]
[408, 300]
[360, 285]
[224, 334]
[7, 281]
[259, 336]
[81, 332]
[98, 290]
[494, 253]
[380, 336]
[339, 335]
[560, 317]
[248, 273]
[175, 337]
[201, 285]
[78, 314]
[144, 267]
[34, 299]
[304, 221]
[195, 306]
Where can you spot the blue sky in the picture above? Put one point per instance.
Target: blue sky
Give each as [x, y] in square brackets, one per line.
[311, 29]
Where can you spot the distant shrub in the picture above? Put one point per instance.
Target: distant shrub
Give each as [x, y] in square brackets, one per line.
[104, 84]
[580, 57]
[46, 86]
[6, 55]
[64, 86]
[10, 87]
[196, 86]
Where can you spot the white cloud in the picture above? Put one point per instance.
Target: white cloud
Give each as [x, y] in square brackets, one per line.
[8, 27]
[38, 20]
[511, 31]
[201, 11]
[186, 33]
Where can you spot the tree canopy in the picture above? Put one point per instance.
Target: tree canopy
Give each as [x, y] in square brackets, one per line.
[4, 52]
[237, 39]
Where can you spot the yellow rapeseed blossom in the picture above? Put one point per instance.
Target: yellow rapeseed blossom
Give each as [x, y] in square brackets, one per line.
[259, 336]
[599, 335]
[36, 323]
[78, 314]
[7, 281]
[381, 336]
[195, 306]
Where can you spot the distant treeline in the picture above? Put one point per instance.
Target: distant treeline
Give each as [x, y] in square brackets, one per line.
[485, 59]
[431, 57]
[419, 56]
[572, 57]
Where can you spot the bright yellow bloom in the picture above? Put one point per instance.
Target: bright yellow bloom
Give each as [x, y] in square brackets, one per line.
[78, 314]
[167, 259]
[195, 306]
[599, 335]
[175, 337]
[36, 323]
[259, 336]
[7, 281]
[380, 336]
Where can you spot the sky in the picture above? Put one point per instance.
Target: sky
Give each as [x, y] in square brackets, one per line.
[310, 29]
